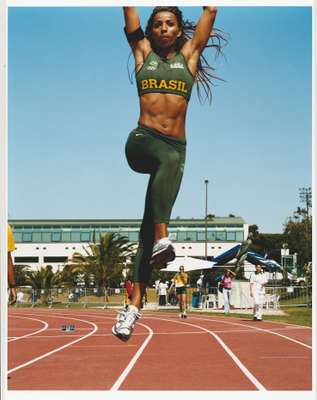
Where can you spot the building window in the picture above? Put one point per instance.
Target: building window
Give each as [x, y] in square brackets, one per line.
[65, 236]
[55, 259]
[181, 236]
[56, 236]
[85, 236]
[75, 236]
[17, 237]
[200, 236]
[25, 260]
[191, 236]
[231, 236]
[37, 237]
[26, 237]
[133, 236]
[46, 237]
[211, 236]
[221, 235]
[239, 236]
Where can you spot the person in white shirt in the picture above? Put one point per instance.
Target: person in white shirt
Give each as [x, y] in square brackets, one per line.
[162, 287]
[258, 281]
[20, 297]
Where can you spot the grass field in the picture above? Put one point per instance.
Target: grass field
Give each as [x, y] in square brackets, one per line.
[293, 315]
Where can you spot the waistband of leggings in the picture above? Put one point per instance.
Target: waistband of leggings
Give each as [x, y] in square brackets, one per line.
[167, 138]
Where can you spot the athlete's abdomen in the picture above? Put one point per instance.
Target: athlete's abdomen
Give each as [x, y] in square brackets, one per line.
[164, 112]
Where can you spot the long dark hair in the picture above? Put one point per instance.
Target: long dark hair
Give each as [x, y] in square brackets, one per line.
[217, 40]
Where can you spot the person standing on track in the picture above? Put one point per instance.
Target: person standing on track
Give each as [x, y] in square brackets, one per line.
[226, 282]
[162, 293]
[258, 280]
[168, 62]
[180, 281]
[128, 290]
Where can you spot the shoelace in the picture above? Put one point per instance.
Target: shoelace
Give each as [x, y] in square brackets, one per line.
[121, 315]
[129, 320]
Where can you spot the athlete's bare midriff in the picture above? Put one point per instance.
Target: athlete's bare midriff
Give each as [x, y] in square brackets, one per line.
[164, 112]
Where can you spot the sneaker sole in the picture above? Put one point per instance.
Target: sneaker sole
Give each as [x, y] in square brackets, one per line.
[161, 259]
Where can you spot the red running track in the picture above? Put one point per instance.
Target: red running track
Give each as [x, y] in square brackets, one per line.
[164, 353]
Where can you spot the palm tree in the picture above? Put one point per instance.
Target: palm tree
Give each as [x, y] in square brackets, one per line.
[20, 273]
[104, 260]
[43, 279]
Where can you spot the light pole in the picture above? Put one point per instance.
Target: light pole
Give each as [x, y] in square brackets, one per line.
[206, 210]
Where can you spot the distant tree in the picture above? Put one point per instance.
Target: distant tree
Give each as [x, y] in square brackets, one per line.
[231, 216]
[210, 216]
[308, 271]
[270, 244]
[104, 260]
[298, 236]
[254, 229]
[42, 278]
[20, 273]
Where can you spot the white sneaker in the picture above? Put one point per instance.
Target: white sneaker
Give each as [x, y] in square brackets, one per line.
[124, 329]
[122, 315]
[163, 252]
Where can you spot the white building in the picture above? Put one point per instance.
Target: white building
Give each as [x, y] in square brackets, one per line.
[53, 242]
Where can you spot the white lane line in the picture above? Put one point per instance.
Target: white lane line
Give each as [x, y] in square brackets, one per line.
[111, 335]
[207, 318]
[131, 364]
[258, 329]
[29, 334]
[105, 345]
[59, 348]
[242, 367]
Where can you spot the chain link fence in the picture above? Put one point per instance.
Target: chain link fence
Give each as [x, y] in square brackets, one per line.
[275, 298]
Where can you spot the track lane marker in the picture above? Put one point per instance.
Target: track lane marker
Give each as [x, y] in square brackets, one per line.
[29, 334]
[131, 364]
[59, 348]
[258, 329]
[242, 367]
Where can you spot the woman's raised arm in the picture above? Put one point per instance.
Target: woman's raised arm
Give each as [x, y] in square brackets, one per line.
[204, 28]
[194, 47]
[139, 44]
[131, 18]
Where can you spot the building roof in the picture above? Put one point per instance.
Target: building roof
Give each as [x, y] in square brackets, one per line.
[190, 222]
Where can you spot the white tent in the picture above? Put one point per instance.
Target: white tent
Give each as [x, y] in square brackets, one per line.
[189, 263]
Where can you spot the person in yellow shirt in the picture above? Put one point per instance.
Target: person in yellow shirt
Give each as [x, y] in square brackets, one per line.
[180, 281]
[11, 276]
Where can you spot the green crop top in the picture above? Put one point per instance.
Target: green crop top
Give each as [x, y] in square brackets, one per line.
[159, 75]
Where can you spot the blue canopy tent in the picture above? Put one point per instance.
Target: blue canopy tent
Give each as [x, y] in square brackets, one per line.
[255, 258]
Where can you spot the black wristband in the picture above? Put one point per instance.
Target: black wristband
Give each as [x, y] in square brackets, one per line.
[134, 36]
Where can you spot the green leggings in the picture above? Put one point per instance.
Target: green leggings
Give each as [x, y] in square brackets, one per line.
[163, 157]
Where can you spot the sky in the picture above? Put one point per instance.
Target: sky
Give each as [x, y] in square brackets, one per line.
[72, 106]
